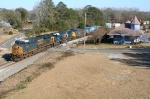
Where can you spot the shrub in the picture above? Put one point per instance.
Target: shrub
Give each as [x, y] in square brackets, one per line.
[44, 30]
[28, 33]
[10, 33]
[48, 65]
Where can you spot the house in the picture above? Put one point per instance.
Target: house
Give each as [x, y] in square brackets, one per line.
[146, 22]
[3, 23]
[116, 25]
[110, 25]
[128, 32]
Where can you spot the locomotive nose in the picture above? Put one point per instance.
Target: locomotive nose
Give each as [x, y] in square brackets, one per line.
[16, 50]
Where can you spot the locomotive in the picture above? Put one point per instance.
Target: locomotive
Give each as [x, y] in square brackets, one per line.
[30, 46]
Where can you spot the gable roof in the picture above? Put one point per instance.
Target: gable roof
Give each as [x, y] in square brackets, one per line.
[135, 21]
[121, 30]
[128, 21]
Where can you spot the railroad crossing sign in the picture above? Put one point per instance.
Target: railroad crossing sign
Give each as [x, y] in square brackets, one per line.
[2, 43]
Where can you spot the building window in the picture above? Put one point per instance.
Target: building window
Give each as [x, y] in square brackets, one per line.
[128, 38]
[117, 37]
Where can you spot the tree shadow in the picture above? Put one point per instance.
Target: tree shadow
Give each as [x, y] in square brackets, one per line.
[6, 57]
[138, 57]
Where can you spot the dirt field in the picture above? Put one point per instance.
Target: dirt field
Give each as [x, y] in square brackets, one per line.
[82, 76]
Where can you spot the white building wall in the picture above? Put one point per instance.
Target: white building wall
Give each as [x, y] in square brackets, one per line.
[108, 25]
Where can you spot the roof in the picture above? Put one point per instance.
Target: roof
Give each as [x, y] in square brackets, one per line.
[135, 21]
[128, 21]
[56, 34]
[121, 30]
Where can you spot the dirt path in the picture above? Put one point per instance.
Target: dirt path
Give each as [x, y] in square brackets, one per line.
[88, 76]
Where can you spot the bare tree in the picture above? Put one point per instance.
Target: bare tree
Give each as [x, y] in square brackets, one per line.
[97, 35]
[44, 11]
[120, 14]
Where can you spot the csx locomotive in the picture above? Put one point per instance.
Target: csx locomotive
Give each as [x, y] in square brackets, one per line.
[30, 46]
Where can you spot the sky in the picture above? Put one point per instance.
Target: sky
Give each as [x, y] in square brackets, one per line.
[142, 5]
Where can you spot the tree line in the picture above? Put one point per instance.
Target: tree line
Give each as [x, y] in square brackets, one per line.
[122, 15]
[17, 18]
[46, 16]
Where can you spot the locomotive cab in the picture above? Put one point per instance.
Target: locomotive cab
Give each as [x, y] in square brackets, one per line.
[16, 50]
[21, 47]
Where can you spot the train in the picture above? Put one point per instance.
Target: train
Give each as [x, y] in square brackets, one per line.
[30, 46]
[27, 47]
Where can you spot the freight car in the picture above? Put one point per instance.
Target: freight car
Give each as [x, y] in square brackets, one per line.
[30, 46]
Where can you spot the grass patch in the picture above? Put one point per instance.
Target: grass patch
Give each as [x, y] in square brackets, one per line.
[30, 78]
[66, 54]
[48, 66]
[4, 93]
[21, 85]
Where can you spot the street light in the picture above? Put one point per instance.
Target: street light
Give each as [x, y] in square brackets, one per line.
[84, 32]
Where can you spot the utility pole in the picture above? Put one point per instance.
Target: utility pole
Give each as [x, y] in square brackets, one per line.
[84, 32]
[0, 33]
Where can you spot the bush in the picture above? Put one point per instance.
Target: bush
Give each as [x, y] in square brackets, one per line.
[44, 30]
[81, 25]
[28, 33]
[10, 33]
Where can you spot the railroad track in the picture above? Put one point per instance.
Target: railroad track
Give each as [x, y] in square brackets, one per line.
[9, 68]
[7, 64]
[10, 63]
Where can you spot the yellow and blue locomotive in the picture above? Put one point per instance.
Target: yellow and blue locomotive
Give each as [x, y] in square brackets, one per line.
[30, 46]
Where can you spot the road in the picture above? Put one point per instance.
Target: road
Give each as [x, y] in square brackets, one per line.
[114, 50]
[8, 43]
[110, 52]
[103, 50]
